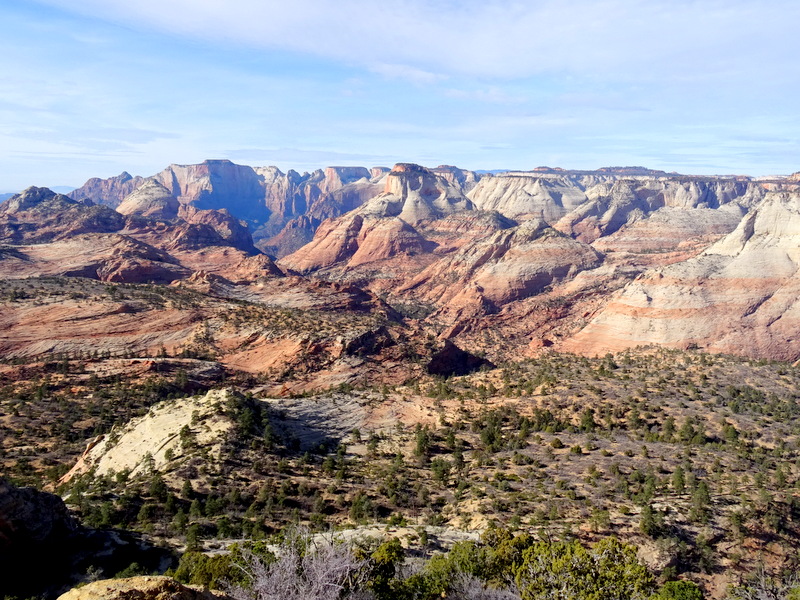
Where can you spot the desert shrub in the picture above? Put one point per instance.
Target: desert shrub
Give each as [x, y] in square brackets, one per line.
[305, 569]
[569, 571]
[679, 590]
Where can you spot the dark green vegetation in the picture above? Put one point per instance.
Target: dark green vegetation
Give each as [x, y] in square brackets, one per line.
[499, 566]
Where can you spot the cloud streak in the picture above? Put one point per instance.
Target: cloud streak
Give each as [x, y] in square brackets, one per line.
[494, 39]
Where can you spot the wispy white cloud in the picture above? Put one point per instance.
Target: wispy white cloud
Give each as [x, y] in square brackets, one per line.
[307, 159]
[493, 95]
[490, 38]
[406, 73]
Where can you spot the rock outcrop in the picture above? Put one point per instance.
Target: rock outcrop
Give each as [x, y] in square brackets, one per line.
[111, 191]
[29, 518]
[37, 531]
[615, 204]
[386, 226]
[152, 441]
[107, 257]
[528, 195]
[509, 265]
[41, 215]
[150, 200]
[141, 588]
[230, 230]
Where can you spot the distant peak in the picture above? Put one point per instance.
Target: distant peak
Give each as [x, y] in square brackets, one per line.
[638, 170]
[37, 193]
[409, 168]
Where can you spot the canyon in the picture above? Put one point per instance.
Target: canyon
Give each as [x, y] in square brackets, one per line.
[547, 258]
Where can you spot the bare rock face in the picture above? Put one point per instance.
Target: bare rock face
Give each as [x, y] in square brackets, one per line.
[146, 442]
[334, 242]
[527, 195]
[108, 257]
[150, 200]
[384, 239]
[460, 178]
[738, 296]
[295, 234]
[140, 588]
[616, 204]
[266, 197]
[40, 215]
[109, 192]
[384, 227]
[230, 230]
[419, 194]
[509, 265]
[215, 184]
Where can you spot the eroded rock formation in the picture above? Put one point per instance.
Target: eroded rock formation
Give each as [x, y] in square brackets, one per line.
[739, 295]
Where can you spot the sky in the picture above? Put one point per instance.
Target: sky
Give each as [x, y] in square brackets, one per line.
[94, 87]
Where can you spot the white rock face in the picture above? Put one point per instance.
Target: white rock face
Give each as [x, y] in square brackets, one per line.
[525, 195]
[151, 200]
[419, 194]
[741, 295]
[145, 442]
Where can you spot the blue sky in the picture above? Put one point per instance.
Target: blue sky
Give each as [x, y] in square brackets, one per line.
[95, 87]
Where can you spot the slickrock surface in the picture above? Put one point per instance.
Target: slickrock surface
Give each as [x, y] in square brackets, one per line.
[152, 200]
[140, 588]
[107, 257]
[154, 440]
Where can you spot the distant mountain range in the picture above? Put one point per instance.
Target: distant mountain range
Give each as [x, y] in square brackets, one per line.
[585, 261]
